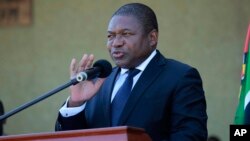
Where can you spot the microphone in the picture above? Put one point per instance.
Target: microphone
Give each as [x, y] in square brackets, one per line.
[101, 69]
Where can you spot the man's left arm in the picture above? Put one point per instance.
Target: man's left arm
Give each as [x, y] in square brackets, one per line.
[189, 117]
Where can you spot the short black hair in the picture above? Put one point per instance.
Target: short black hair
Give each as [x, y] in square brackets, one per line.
[143, 13]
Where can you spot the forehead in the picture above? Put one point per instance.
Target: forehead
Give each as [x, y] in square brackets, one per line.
[119, 22]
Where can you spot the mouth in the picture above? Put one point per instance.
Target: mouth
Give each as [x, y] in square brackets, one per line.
[117, 54]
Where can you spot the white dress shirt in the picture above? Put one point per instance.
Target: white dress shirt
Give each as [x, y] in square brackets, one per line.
[71, 111]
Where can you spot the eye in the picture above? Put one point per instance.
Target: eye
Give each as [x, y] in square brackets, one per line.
[110, 36]
[126, 34]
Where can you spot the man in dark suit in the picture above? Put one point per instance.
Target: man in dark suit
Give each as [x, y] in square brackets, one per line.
[167, 98]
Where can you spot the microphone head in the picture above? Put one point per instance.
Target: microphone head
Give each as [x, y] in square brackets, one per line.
[105, 68]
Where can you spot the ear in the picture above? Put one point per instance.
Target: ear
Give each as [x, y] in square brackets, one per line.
[153, 38]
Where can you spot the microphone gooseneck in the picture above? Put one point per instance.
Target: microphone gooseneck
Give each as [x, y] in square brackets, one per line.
[101, 68]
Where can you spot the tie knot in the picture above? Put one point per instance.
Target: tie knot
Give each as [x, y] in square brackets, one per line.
[133, 72]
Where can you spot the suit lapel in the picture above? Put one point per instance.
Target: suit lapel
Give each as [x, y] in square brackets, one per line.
[146, 79]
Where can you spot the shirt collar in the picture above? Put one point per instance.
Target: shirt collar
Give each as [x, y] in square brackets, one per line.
[143, 65]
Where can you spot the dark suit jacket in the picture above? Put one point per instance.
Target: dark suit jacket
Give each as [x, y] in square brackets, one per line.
[167, 101]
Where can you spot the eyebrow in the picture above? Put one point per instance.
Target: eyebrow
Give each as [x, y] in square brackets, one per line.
[119, 31]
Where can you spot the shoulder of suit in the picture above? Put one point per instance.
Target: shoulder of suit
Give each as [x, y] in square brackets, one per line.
[177, 65]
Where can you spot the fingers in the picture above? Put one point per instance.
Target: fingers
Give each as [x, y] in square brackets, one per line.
[73, 67]
[85, 63]
[90, 61]
[82, 63]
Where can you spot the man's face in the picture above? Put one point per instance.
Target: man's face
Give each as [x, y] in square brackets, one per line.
[127, 44]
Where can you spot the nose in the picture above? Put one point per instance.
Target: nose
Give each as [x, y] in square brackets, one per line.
[118, 41]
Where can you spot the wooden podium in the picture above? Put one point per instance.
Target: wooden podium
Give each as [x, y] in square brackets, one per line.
[122, 133]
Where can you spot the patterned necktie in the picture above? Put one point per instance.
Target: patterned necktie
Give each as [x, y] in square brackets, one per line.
[122, 96]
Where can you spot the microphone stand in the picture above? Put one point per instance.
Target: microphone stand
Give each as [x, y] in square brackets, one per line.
[40, 98]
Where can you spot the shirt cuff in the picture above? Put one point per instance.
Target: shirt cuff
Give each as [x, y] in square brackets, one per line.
[71, 111]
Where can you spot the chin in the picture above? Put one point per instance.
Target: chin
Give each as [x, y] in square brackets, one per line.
[121, 64]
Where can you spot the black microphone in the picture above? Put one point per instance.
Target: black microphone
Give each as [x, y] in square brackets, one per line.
[101, 69]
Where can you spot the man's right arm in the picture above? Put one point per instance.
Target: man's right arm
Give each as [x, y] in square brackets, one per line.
[72, 114]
